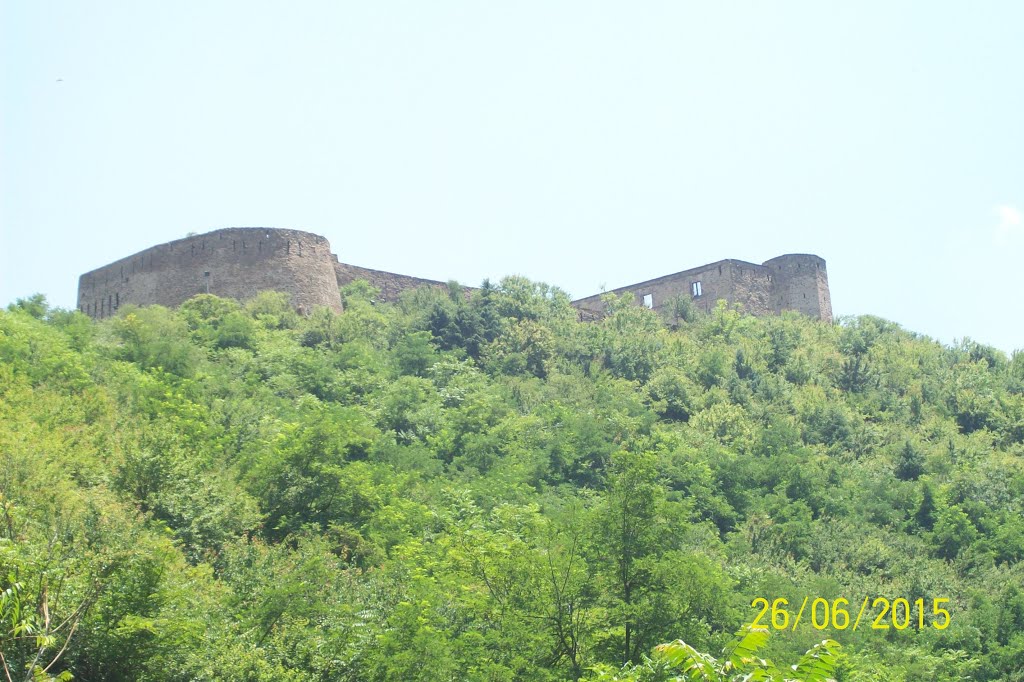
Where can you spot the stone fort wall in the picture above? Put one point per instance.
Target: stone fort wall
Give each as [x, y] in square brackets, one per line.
[389, 284]
[791, 282]
[240, 262]
[232, 263]
[800, 283]
[237, 262]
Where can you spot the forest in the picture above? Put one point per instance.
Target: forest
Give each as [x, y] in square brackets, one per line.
[474, 485]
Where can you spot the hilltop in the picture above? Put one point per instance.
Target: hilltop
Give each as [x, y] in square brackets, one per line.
[485, 488]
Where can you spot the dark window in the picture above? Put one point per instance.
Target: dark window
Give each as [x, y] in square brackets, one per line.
[697, 290]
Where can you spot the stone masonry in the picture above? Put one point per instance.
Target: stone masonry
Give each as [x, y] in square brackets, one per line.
[792, 282]
[240, 262]
[237, 263]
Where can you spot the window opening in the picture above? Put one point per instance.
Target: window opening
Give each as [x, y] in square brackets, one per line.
[649, 300]
[697, 290]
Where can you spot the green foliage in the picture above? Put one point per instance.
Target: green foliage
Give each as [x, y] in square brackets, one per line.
[740, 662]
[679, 310]
[474, 485]
[34, 306]
[909, 463]
[156, 338]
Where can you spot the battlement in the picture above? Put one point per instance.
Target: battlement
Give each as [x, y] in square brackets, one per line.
[240, 262]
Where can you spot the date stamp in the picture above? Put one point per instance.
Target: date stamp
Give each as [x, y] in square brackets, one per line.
[882, 614]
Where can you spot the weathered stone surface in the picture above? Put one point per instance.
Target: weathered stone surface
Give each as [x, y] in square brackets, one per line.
[389, 284]
[235, 263]
[240, 262]
[800, 282]
[791, 282]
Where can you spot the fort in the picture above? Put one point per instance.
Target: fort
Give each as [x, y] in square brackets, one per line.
[240, 262]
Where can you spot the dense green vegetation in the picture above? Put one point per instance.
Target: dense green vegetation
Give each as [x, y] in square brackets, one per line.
[483, 488]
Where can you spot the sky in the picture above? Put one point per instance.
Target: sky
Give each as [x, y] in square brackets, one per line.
[585, 144]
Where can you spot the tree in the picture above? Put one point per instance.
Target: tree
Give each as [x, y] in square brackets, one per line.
[631, 538]
[910, 463]
[679, 310]
[925, 515]
[32, 637]
[953, 532]
[35, 305]
[155, 337]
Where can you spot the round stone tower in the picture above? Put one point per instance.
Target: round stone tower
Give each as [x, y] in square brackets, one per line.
[799, 282]
[237, 262]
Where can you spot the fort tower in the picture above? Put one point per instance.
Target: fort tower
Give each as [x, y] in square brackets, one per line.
[240, 262]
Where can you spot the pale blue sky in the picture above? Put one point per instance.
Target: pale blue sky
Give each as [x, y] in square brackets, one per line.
[578, 143]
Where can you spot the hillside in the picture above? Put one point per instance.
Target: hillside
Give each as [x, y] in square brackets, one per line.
[487, 489]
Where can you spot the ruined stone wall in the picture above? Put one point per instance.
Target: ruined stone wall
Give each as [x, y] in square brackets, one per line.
[243, 261]
[751, 287]
[735, 281]
[800, 283]
[233, 263]
[389, 284]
